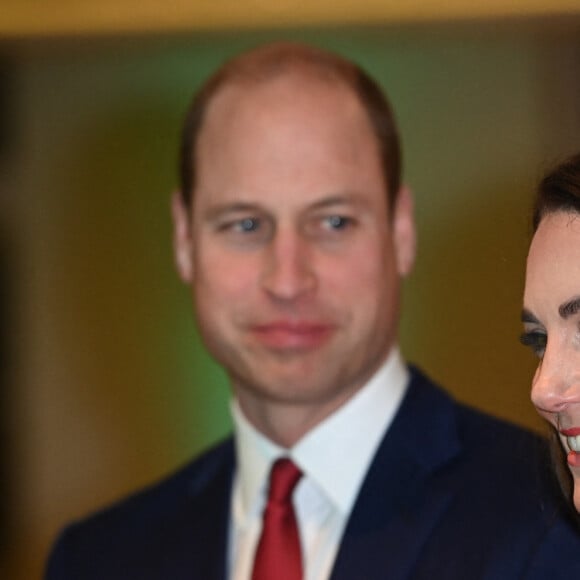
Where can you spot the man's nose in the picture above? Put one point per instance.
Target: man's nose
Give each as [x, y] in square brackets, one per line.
[557, 380]
[288, 270]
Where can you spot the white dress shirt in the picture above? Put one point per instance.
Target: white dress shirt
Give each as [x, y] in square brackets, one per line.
[334, 458]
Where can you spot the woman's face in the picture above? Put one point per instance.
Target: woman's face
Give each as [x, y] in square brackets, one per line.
[551, 317]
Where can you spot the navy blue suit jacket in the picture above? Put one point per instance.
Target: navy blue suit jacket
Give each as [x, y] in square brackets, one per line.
[452, 494]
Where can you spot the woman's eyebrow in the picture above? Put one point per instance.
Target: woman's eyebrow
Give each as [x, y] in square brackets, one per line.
[569, 308]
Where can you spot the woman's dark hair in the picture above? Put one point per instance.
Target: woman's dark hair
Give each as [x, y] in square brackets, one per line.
[558, 191]
[559, 463]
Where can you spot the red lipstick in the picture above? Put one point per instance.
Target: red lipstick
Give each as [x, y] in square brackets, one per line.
[572, 432]
[573, 459]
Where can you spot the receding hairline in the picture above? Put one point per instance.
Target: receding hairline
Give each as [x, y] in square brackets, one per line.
[285, 63]
[301, 84]
[281, 60]
[268, 62]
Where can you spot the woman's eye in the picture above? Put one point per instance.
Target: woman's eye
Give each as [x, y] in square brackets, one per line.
[536, 341]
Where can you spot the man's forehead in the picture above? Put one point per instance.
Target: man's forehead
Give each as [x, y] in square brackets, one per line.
[288, 85]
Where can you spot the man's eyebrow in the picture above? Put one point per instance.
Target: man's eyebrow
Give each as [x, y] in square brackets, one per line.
[569, 308]
[217, 210]
[339, 199]
[527, 316]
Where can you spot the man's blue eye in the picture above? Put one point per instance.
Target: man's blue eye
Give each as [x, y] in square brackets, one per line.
[248, 224]
[338, 222]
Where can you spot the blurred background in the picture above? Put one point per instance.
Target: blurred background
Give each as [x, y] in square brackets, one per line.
[104, 385]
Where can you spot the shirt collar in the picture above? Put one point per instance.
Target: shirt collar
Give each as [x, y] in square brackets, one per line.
[354, 432]
[255, 454]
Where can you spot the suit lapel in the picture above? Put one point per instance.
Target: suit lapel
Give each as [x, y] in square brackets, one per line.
[396, 510]
[196, 546]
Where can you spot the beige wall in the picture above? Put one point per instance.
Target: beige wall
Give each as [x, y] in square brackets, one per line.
[110, 388]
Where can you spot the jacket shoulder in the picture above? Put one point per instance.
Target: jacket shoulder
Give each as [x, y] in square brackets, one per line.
[128, 538]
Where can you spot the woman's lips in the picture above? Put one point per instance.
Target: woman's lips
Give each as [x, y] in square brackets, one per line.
[572, 438]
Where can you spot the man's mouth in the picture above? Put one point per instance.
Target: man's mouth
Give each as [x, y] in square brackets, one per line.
[285, 334]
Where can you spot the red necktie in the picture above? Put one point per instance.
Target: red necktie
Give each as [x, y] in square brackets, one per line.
[278, 553]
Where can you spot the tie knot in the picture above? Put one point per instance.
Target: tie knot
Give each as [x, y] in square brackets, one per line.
[283, 479]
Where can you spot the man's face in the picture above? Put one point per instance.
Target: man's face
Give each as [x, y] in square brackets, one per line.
[292, 256]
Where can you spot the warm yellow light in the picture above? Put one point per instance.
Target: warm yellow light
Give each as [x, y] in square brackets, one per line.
[21, 18]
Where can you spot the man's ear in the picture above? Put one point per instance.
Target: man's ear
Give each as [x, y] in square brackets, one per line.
[404, 234]
[182, 238]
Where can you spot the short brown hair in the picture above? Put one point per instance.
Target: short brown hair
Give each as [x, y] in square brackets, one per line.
[271, 60]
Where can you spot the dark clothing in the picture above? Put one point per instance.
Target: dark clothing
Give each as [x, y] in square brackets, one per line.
[452, 494]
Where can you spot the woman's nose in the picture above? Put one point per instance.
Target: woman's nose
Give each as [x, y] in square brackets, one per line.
[556, 383]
